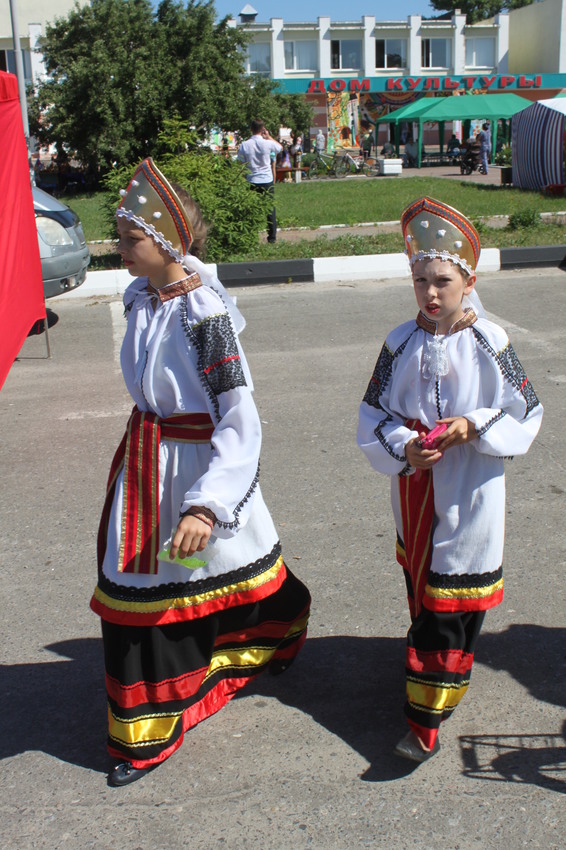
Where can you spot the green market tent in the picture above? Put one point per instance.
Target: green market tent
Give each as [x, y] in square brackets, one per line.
[490, 107]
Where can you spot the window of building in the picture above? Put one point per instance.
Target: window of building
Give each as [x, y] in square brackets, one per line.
[391, 53]
[345, 54]
[480, 52]
[300, 56]
[8, 63]
[259, 58]
[435, 53]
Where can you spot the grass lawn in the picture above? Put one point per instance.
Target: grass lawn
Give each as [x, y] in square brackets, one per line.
[89, 209]
[311, 204]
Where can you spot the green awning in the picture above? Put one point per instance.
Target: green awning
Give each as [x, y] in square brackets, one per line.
[459, 108]
[490, 107]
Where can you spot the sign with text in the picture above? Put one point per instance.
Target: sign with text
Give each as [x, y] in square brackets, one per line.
[449, 83]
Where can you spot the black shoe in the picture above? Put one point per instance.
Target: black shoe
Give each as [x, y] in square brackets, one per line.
[125, 773]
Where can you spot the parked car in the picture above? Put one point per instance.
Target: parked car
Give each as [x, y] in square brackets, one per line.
[62, 245]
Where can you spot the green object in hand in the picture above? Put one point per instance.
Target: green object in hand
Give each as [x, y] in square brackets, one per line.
[192, 563]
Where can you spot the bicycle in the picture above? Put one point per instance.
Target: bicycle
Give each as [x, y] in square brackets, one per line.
[357, 164]
[324, 165]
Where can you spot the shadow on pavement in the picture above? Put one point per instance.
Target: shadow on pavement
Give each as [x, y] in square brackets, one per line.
[352, 686]
[534, 656]
[355, 688]
[39, 326]
[57, 707]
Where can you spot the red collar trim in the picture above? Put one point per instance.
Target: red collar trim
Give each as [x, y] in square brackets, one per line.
[468, 319]
[178, 287]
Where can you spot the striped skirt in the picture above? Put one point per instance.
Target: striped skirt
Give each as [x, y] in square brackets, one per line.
[163, 680]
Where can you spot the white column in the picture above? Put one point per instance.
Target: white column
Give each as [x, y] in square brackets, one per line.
[458, 43]
[414, 45]
[37, 64]
[502, 44]
[324, 47]
[277, 49]
[368, 22]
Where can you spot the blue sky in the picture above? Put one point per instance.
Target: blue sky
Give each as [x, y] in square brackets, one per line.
[299, 10]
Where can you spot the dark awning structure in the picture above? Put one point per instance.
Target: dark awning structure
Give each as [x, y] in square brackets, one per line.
[538, 145]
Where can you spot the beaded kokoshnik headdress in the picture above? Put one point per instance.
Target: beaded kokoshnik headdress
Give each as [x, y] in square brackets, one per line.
[151, 203]
[432, 229]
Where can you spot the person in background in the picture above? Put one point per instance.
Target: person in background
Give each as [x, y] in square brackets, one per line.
[256, 152]
[453, 147]
[296, 149]
[411, 155]
[320, 142]
[366, 142]
[484, 138]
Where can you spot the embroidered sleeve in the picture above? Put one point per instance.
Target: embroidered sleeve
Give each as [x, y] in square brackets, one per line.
[382, 433]
[380, 377]
[512, 370]
[219, 358]
[511, 414]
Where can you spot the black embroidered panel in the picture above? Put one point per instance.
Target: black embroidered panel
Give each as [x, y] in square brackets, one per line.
[219, 356]
[511, 367]
[465, 581]
[512, 370]
[380, 377]
[188, 588]
[378, 383]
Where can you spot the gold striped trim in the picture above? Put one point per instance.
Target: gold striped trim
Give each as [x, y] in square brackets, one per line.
[145, 731]
[435, 698]
[463, 592]
[188, 601]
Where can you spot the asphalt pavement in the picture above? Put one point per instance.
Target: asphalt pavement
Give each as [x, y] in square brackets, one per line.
[303, 760]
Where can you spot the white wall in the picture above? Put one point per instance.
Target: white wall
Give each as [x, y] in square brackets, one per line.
[536, 39]
[33, 12]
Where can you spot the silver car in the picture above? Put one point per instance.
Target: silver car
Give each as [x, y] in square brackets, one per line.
[62, 245]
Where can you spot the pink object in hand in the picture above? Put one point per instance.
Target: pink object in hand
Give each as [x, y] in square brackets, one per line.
[429, 441]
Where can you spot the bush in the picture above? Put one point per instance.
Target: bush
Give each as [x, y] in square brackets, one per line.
[504, 156]
[526, 218]
[235, 213]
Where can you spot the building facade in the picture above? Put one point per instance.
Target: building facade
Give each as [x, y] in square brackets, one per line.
[32, 16]
[354, 72]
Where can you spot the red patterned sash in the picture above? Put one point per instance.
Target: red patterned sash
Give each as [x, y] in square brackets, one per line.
[417, 513]
[138, 454]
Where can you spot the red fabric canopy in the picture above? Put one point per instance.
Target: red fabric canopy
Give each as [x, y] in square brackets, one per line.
[21, 284]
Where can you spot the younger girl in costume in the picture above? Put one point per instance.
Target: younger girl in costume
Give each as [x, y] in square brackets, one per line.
[180, 639]
[453, 366]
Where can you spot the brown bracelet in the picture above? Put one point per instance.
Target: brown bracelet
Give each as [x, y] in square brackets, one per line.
[204, 514]
[204, 519]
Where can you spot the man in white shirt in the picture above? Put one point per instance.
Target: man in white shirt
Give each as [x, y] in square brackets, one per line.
[256, 153]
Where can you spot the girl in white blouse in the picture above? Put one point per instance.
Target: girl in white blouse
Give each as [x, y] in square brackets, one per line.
[193, 593]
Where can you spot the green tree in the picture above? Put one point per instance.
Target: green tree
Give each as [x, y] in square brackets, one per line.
[101, 98]
[117, 69]
[478, 10]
